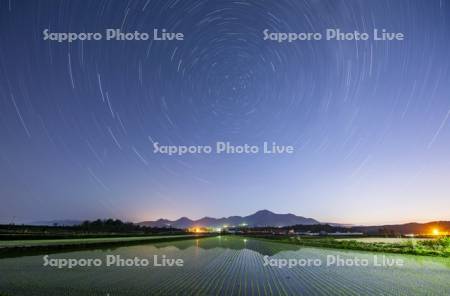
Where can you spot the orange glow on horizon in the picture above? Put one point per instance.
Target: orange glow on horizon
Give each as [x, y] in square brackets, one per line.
[197, 229]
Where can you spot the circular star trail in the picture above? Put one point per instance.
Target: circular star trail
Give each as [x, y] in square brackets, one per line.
[369, 119]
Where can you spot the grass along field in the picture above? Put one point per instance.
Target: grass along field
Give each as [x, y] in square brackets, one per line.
[226, 265]
[389, 240]
[426, 247]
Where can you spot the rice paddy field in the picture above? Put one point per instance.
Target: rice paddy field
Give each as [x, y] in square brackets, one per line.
[226, 265]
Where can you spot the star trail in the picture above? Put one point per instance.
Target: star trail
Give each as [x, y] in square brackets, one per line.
[369, 119]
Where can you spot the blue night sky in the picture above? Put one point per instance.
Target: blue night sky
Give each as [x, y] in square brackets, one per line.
[369, 120]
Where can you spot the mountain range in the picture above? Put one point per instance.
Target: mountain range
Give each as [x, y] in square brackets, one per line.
[258, 219]
[267, 218]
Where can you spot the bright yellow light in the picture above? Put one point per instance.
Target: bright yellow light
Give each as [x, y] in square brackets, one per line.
[435, 231]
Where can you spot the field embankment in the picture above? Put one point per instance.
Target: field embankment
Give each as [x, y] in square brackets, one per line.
[17, 248]
[429, 247]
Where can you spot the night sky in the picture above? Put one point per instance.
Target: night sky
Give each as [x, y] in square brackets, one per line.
[369, 120]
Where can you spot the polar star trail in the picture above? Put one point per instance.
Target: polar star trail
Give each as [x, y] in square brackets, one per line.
[368, 119]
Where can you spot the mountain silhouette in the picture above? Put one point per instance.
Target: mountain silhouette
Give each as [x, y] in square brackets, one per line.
[258, 219]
